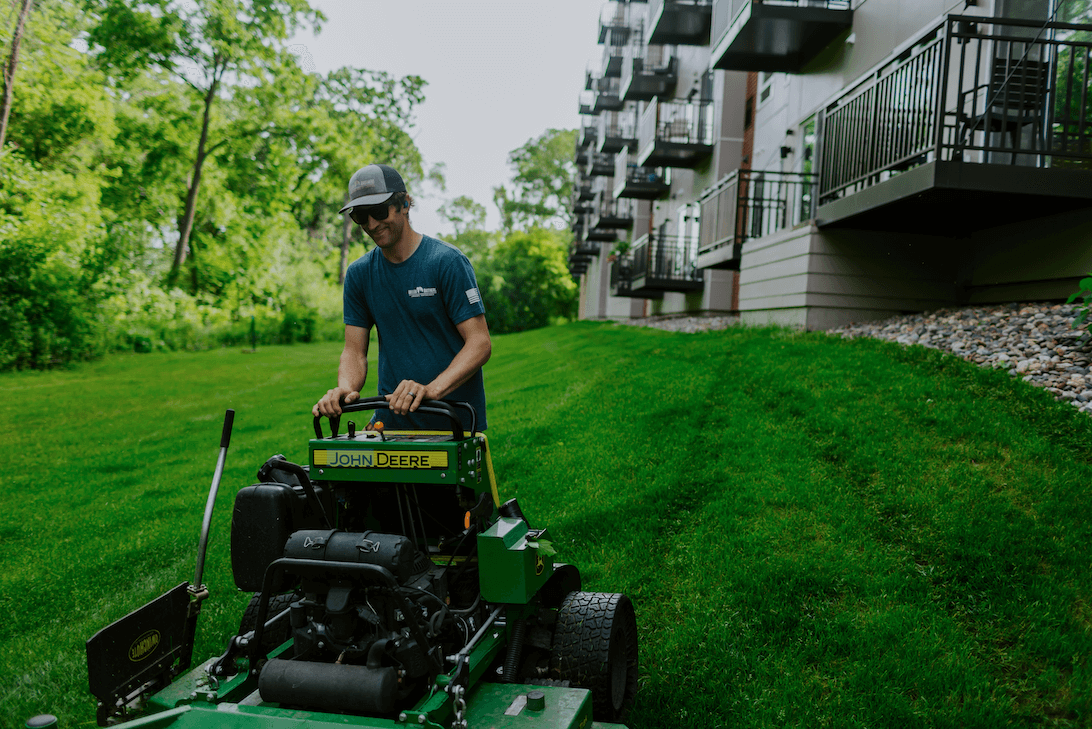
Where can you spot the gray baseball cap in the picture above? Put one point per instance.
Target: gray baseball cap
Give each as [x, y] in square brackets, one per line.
[372, 185]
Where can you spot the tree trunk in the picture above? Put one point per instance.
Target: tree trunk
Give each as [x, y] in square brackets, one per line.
[9, 70]
[346, 230]
[185, 229]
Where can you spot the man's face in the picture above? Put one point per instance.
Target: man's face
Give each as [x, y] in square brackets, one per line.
[385, 233]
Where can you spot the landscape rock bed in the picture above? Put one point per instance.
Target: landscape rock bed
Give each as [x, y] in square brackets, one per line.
[1036, 342]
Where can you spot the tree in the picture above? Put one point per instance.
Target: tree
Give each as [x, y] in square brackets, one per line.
[526, 282]
[208, 45]
[9, 69]
[370, 115]
[543, 182]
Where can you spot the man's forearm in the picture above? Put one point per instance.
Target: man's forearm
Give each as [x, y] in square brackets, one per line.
[352, 371]
[469, 360]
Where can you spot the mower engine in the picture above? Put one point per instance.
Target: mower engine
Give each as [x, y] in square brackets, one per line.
[363, 640]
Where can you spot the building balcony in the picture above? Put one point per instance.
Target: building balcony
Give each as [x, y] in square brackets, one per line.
[588, 133]
[606, 94]
[679, 22]
[617, 130]
[675, 134]
[601, 235]
[581, 205]
[584, 104]
[582, 188]
[610, 213]
[600, 164]
[775, 35]
[638, 182]
[983, 122]
[750, 204]
[584, 247]
[663, 263]
[619, 27]
[649, 72]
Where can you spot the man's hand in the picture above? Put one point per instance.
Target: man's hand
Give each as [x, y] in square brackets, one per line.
[408, 396]
[330, 404]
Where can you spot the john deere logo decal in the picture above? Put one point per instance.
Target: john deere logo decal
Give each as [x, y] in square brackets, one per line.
[381, 459]
[144, 646]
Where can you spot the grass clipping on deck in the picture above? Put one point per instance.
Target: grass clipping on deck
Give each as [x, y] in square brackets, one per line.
[814, 532]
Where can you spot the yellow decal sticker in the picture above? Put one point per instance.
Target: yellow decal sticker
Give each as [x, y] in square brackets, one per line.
[539, 565]
[144, 646]
[381, 459]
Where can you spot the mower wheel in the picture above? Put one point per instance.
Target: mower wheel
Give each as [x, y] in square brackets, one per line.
[595, 647]
[280, 633]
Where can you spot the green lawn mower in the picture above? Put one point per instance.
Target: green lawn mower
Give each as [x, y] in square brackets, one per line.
[391, 588]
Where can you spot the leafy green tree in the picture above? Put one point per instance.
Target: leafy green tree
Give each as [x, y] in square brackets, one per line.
[210, 46]
[542, 186]
[370, 115]
[525, 283]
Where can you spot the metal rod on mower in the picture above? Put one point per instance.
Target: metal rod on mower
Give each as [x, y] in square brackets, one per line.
[225, 438]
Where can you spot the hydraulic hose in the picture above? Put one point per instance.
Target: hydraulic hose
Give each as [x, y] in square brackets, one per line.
[515, 651]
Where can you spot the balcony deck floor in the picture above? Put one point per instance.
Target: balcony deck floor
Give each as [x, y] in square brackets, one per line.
[954, 199]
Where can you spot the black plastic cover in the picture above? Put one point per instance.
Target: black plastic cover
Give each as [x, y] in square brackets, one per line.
[265, 516]
[393, 552]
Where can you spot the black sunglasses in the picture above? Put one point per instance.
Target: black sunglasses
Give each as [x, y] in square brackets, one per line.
[360, 215]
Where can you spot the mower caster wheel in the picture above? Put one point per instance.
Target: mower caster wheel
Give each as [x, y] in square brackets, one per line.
[277, 604]
[595, 647]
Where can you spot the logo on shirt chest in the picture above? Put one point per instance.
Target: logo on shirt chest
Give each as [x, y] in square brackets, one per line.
[421, 291]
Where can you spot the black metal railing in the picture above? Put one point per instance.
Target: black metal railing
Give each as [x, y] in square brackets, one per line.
[627, 173]
[648, 72]
[620, 274]
[588, 133]
[974, 90]
[616, 23]
[665, 258]
[679, 122]
[750, 204]
[600, 164]
[610, 212]
[617, 124]
[725, 11]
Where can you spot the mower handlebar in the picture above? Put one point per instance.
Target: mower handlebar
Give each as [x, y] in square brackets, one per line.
[430, 407]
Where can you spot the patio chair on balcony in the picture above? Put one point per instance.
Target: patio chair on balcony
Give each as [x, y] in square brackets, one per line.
[1012, 101]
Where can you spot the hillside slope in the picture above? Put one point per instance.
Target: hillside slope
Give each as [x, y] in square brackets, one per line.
[815, 532]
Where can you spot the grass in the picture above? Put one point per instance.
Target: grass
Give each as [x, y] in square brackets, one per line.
[815, 532]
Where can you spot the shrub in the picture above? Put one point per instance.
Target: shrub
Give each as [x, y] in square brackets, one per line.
[1084, 311]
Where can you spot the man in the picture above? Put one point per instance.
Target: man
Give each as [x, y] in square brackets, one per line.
[422, 296]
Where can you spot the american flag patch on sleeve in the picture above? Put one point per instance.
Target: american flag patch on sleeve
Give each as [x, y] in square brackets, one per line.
[473, 296]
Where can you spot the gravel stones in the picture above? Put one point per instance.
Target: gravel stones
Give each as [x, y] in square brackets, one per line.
[1035, 342]
[688, 324]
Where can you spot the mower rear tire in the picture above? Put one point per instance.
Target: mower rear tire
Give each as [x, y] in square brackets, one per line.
[277, 604]
[595, 647]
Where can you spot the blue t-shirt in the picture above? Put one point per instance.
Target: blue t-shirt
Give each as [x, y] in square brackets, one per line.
[415, 306]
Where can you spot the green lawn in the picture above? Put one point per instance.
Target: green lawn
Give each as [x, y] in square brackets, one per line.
[815, 532]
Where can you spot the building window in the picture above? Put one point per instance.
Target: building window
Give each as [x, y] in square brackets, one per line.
[765, 86]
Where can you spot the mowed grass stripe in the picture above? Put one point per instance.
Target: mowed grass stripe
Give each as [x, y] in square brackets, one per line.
[815, 532]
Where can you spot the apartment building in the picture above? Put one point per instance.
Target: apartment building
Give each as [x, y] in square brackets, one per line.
[816, 162]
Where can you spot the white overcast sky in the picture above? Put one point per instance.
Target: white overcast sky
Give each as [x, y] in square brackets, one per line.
[498, 73]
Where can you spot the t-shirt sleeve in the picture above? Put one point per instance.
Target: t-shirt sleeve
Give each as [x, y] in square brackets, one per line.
[460, 288]
[356, 311]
